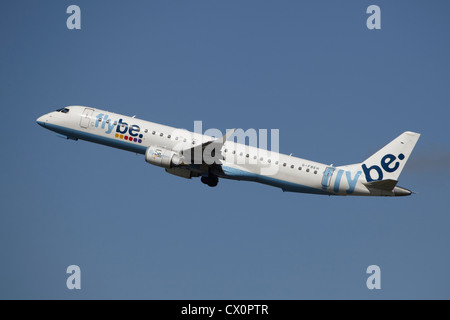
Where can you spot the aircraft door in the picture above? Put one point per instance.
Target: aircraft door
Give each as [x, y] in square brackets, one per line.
[86, 117]
[327, 174]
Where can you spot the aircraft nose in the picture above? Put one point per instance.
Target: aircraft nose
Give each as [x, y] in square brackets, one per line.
[41, 121]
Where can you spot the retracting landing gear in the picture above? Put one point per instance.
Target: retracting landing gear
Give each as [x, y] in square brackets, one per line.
[210, 180]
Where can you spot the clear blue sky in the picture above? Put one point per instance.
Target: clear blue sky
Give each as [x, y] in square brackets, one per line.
[336, 91]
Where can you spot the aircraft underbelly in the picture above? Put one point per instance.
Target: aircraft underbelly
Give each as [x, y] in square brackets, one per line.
[239, 174]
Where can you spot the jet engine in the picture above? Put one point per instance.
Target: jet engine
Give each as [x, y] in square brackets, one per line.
[162, 157]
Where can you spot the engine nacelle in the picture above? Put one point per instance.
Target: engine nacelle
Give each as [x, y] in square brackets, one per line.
[162, 157]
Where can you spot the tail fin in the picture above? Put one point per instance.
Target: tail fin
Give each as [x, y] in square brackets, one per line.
[388, 163]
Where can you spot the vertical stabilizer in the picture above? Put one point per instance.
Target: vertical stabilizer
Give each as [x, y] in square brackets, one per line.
[388, 162]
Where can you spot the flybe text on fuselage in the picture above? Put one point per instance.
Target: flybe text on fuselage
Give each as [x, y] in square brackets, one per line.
[122, 128]
[351, 181]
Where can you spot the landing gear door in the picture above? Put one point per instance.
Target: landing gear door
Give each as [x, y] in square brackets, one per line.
[327, 174]
[86, 117]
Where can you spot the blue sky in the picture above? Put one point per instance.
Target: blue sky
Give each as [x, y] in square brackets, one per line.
[337, 92]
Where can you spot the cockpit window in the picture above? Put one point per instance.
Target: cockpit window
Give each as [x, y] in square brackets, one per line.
[63, 110]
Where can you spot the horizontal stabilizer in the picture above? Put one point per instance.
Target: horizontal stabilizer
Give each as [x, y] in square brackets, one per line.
[387, 184]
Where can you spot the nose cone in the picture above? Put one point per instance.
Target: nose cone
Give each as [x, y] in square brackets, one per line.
[41, 121]
[399, 192]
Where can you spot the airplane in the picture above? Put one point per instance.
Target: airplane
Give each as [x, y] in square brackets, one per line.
[183, 153]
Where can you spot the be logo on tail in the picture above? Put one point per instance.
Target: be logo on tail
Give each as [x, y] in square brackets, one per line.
[388, 163]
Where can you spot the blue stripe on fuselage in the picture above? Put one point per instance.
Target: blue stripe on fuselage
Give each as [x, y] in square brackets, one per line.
[237, 174]
[110, 142]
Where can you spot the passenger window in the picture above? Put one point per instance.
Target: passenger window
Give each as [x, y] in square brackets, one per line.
[284, 164]
[269, 161]
[176, 138]
[168, 137]
[292, 166]
[261, 159]
[276, 162]
[315, 172]
[184, 140]
[234, 152]
[241, 154]
[299, 168]
[307, 170]
[247, 155]
[161, 134]
[153, 132]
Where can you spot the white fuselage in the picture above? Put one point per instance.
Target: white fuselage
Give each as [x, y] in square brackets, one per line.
[238, 161]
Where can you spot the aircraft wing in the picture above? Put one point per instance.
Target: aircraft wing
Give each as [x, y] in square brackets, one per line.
[196, 153]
